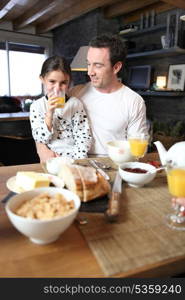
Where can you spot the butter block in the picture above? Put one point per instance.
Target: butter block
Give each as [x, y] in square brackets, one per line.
[31, 180]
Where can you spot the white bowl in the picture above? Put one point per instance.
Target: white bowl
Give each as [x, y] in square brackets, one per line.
[119, 151]
[137, 179]
[42, 231]
[53, 165]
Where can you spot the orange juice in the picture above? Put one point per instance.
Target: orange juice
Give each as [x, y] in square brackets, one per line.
[176, 182]
[60, 102]
[138, 147]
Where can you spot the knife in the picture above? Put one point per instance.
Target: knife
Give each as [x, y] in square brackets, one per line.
[7, 197]
[105, 175]
[112, 212]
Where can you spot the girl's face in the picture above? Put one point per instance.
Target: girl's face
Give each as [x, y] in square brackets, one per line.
[55, 80]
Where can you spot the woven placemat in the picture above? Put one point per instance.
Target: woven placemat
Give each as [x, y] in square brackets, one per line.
[140, 237]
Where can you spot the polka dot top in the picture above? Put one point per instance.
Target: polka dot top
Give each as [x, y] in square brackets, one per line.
[70, 135]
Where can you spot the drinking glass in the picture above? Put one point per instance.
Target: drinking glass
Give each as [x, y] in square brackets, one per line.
[138, 144]
[60, 96]
[176, 187]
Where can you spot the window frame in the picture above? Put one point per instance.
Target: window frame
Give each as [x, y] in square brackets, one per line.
[27, 39]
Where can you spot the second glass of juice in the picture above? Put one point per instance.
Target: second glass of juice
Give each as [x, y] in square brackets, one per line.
[138, 144]
[176, 182]
[176, 187]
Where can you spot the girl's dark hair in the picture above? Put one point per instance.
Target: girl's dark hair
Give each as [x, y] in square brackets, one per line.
[55, 63]
[115, 45]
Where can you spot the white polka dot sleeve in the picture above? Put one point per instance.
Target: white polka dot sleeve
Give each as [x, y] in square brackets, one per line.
[40, 131]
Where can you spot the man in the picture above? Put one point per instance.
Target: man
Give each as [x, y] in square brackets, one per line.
[114, 110]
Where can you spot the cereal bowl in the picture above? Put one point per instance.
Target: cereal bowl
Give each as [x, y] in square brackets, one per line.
[119, 151]
[42, 231]
[137, 179]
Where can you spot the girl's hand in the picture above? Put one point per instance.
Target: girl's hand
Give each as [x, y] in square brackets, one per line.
[45, 153]
[51, 106]
[52, 102]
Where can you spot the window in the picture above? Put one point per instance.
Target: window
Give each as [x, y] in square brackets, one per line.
[3, 70]
[20, 69]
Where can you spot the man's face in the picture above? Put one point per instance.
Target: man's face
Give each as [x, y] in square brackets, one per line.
[100, 69]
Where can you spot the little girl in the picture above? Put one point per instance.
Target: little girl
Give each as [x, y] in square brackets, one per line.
[59, 131]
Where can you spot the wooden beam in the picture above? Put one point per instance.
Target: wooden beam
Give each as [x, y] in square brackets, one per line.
[8, 5]
[35, 13]
[77, 10]
[176, 3]
[157, 7]
[125, 7]
[3, 3]
[11, 7]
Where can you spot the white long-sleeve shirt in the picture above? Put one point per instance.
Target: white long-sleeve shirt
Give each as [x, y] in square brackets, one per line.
[70, 135]
[112, 116]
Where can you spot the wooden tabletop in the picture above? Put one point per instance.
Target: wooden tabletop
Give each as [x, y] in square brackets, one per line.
[69, 256]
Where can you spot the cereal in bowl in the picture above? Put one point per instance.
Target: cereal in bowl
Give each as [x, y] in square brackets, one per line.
[45, 206]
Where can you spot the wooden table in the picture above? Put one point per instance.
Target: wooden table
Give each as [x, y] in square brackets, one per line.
[70, 256]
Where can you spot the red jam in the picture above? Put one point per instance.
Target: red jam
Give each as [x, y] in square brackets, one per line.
[135, 170]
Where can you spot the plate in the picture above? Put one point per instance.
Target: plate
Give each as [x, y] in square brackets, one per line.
[11, 183]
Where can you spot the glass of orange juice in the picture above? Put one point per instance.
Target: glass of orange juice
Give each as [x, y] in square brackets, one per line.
[138, 144]
[176, 187]
[60, 98]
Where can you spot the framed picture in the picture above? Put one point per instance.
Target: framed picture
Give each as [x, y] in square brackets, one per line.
[176, 77]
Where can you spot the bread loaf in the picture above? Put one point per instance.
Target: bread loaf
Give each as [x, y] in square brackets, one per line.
[84, 181]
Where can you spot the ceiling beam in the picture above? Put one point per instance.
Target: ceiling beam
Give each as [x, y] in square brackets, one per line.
[8, 5]
[176, 3]
[3, 3]
[34, 13]
[157, 7]
[125, 7]
[71, 13]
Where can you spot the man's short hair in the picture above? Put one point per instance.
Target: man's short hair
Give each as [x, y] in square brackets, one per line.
[115, 45]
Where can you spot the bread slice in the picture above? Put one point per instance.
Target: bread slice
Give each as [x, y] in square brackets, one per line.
[72, 180]
[84, 181]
